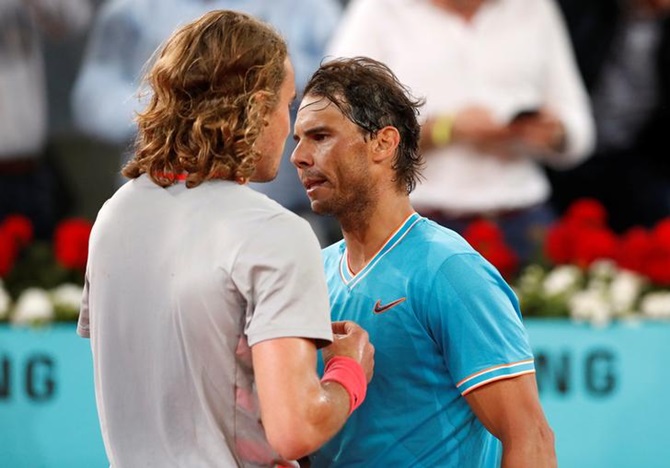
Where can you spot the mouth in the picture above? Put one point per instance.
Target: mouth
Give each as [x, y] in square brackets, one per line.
[312, 183]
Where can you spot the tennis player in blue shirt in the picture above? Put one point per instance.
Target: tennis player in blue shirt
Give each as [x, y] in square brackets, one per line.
[454, 382]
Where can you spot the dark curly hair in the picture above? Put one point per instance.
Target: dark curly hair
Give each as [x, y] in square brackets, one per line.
[369, 94]
[212, 86]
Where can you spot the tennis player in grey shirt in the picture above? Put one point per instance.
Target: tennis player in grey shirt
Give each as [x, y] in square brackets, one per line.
[205, 301]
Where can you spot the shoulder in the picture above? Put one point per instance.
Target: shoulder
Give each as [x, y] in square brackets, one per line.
[448, 257]
[268, 215]
[257, 228]
[272, 223]
[437, 242]
[123, 195]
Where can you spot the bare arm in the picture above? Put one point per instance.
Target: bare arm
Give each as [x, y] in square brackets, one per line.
[472, 125]
[510, 410]
[299, 412]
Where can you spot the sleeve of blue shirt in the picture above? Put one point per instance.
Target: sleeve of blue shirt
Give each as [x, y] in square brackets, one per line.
[474, 317]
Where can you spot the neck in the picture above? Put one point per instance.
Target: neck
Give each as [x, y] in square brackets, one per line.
[369, 231]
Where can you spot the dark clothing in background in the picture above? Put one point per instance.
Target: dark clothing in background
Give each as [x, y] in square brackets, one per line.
[631, 180]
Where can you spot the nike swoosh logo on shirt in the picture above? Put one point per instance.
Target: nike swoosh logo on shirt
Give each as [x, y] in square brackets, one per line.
[380, 309]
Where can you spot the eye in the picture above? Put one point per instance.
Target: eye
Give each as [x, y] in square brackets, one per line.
[319, 136]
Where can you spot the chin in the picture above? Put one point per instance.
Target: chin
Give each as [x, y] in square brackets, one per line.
[320, 208]
[263, 177]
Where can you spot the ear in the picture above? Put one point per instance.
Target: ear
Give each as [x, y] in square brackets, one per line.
[385, 144]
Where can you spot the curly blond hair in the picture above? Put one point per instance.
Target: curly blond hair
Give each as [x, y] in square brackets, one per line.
[212, 87]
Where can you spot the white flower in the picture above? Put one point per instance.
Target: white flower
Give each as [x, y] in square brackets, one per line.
[625, 290]
[562, 280]
[590, 305]
[656, 305]
[67, 295]
[603, 269]
[33, 306]
[5, 302]
[67, 301]
[531, 278]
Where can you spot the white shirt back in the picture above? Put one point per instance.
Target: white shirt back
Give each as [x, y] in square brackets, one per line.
[180, 284]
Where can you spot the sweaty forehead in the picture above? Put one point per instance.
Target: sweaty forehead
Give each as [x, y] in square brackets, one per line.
[311, 103]
[318, 109]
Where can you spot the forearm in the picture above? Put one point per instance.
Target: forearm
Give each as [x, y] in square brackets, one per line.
[300, 412]
[324, 415]
[534, 449]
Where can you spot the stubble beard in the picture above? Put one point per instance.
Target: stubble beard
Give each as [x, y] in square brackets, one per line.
[353, 208]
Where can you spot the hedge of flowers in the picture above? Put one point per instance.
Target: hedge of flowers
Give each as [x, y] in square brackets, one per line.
[42, 281]
[585, 271]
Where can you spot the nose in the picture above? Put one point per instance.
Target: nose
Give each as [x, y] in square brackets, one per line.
[301, 157]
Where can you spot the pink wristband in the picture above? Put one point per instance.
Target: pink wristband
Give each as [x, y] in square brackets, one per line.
[350, 374]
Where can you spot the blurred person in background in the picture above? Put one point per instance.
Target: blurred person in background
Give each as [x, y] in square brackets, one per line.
[504, 97]
[28, 183]
[623, 51]
[127, 32]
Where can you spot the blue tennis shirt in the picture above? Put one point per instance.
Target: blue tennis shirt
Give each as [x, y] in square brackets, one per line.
[443, 322]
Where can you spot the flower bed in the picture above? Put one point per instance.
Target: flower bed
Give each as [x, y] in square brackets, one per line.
[42, 281]
[584, 270]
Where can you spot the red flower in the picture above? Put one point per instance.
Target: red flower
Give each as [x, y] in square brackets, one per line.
[71, 243]
[8, 252]
[635, 248]
[560, 243]
[661, 233]
[594, 244]
[503, 258]
[487, 239]
[657, 268]
[657, 263]
[581, 236]
[587, 212]
[19, 228]
[482, 231]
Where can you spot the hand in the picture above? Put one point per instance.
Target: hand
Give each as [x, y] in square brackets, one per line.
[475, 125]
[541, 133]
[350, 340]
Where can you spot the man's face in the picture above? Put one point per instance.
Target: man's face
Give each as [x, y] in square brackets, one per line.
[272, 139]
[332, 158]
